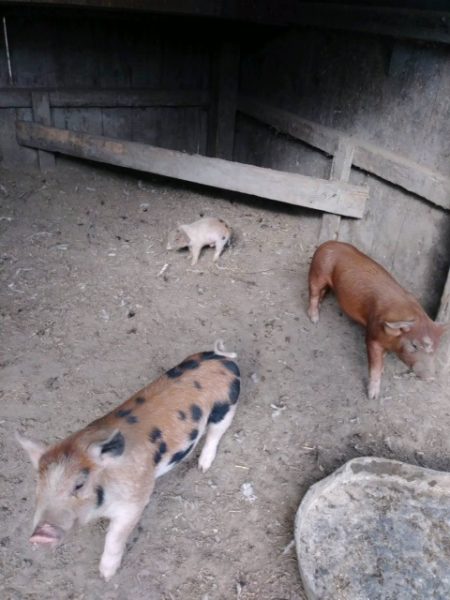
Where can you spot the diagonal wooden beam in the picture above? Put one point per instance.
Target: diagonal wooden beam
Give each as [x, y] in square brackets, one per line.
[387, 165]
[310, 192]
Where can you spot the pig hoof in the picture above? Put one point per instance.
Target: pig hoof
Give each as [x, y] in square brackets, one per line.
[373, 391]
[108, 568]
[205, 461]
[314, 316]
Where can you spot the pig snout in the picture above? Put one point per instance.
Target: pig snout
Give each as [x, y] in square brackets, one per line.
[45, 533]
[424, 367]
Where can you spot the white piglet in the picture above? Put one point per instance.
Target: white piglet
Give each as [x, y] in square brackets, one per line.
[208, 231]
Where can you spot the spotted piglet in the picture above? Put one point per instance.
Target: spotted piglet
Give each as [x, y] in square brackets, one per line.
[108, 469]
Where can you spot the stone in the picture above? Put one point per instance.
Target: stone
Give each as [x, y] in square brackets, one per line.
[376, 529]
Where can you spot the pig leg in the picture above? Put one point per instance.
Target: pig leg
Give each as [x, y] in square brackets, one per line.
[119, 530]
[220, 245]
[317, 290]
[195, 251]
[375, 353]
[214, 434]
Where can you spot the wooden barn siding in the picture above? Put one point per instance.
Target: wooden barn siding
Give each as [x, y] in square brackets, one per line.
[395, 94]
[86, 52]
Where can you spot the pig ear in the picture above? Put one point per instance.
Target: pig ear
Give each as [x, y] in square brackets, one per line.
[109, 444]
[396, 328]
[34, 449]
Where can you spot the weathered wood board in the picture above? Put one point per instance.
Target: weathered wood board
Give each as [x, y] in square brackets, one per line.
[390, 166]
[107, 98]
[444, 308]
[340, 171]
[310, 192]
[41, 114]
[222, 110]
[431, 25]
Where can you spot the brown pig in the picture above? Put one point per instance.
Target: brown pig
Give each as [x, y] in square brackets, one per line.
[108, 469]
[393, 318]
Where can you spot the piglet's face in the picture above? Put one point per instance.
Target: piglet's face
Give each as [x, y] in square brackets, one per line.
[69, 489]
[177, 239]
[417, 344]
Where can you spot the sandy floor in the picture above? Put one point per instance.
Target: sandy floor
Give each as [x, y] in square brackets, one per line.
[86, 320]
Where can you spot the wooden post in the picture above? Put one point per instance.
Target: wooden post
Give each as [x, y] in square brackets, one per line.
[41, 114]
[223, 106]
[444, 308]
[444, 316]
[340, 171]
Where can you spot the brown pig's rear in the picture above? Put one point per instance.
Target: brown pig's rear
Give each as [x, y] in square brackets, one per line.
[393, 318]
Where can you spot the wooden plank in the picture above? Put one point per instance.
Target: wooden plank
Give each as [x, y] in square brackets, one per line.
[15, 98]
[105, 98]
[329, 227]
[444, 307]
[398, 22]
[222, 110]
[132, 98]
[342, 161]
[41, 114]
[401, 171]
[427, 20]
[10, 151]
[318, 136]
[390, 166]
[330, 196]
[340, 171]
[444, 316]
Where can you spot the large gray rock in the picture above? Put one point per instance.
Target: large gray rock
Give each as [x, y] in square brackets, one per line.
[376, 529]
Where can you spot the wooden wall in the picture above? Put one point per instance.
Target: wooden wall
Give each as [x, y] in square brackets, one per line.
[395, 94]
[392, 93]
[67, 50]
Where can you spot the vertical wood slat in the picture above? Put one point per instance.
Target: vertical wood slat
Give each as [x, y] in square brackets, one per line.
[340, 171]
[41, 114]
[444, 316]
[224, 96]
[444, 308]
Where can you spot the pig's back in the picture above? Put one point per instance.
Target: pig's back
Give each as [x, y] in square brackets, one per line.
[176, 404]
[362, 286]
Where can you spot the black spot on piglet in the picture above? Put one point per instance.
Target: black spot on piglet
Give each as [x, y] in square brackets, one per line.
[115, 446]
[100, 495]
[181, 415]
[218, 412]
[210, 355]
[174, 373]
[159, 453]
[123, 413]
[155, 434]
[178, 456]
[196, 412]
[139, 400]
[132, 419]
[232, 366]
[197, 385]
[188, 365]
[193, 435]
[233, 392]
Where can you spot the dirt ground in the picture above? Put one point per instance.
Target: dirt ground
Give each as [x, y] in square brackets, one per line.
[88, 317]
